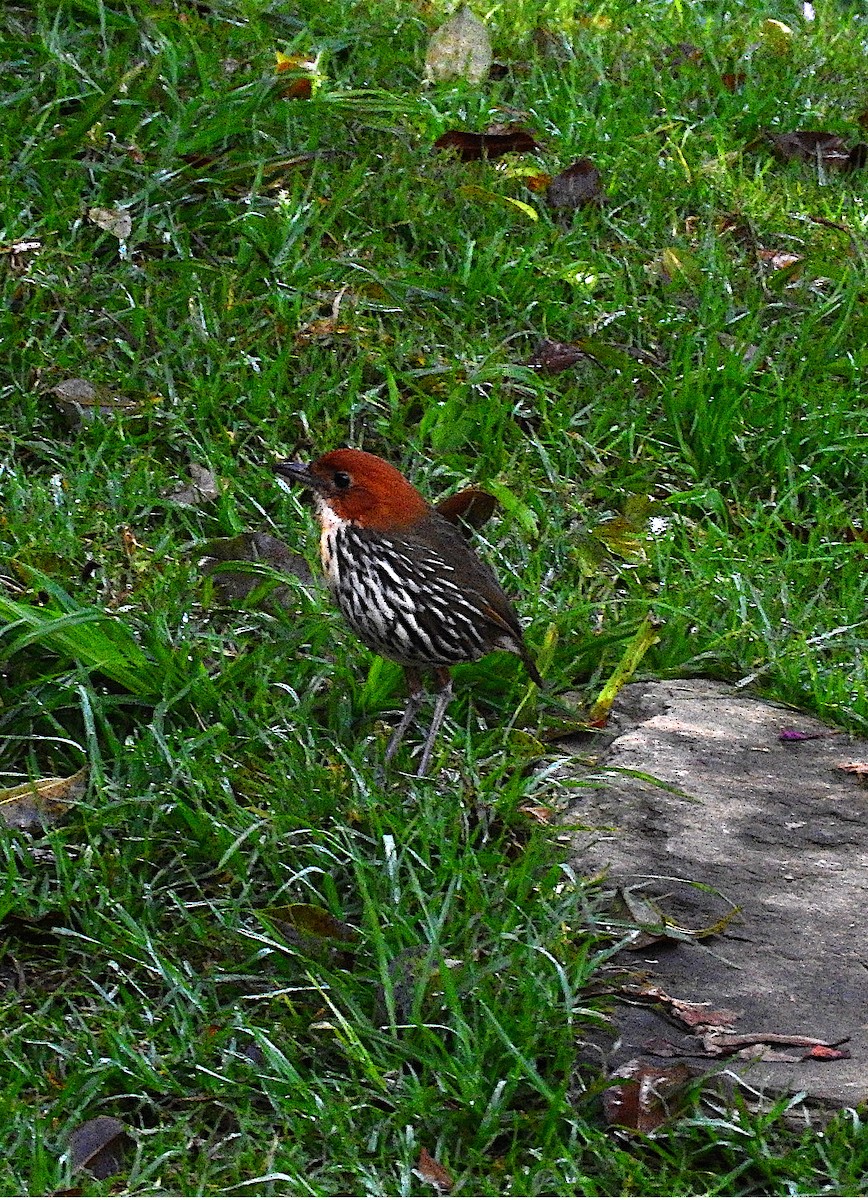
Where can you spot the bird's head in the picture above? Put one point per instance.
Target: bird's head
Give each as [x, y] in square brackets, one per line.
[360, 487]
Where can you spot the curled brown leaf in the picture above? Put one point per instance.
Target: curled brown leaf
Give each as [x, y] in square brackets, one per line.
[577, 186]
[470, 146]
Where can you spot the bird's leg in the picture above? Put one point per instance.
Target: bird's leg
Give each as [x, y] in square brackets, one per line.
[415, 696]
[444, 695]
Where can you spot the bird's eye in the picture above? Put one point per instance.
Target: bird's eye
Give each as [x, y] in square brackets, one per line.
[342, 480]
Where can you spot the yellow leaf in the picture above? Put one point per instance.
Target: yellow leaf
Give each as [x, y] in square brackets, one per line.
[477, 193]
[777, 36]
[294, 62]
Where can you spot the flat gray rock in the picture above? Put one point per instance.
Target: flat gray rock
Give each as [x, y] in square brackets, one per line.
[773, 827]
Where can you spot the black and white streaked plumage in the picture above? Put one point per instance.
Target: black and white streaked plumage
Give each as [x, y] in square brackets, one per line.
[408, 583]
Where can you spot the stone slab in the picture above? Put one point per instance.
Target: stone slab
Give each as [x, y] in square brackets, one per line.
[773, 827]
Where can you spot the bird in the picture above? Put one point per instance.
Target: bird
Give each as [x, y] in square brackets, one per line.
[408, 583]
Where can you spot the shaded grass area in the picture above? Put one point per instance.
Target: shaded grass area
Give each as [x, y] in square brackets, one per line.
[302, 274]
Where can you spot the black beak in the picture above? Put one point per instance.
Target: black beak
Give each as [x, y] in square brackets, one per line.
[296, 472]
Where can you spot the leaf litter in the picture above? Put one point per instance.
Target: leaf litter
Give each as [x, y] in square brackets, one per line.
[576, 187]
[99, 1146]
[459, 49]
[470, 146]
[42, 802]
[82, 402]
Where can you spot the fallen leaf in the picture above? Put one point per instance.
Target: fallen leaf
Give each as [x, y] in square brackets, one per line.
[202, 489]
[646, 1095]
[776, 36]
[724, 1042]
[622, 537]
[677, 265]
[824, 1053]
[733, 80]
[116, 221]
[541, 813]
[322, 329]
[412, 973]
[576, 187]
[80, 401]
[747, 352]
[859, 769]
[477, 193]
[797, 735]
[702, 1016]
[854, 533]
[470, 146]
[42, 802]
[471, 507]
[294, 62]
[299, 89]
[251, 548]
[806, 145]
[550, 44]
[311, 919]
[98, 1146]
[779, 260]
[305, 68]
[551, 358]
[459, 49]
[432, 1172]
[312, 932]
[21, 253]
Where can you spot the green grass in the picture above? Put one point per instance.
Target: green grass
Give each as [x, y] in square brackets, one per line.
[148, 972]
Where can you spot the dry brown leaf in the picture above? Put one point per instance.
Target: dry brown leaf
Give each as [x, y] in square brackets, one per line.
[321, 330]
[116, 221]
[725, 1042]
[647, 1095]
[695, 1015]
[295, 62]
[312, 932]
[733, 80]
[250, 547]
[747, 352]
[459, 49]
[682, 53]
[299, 89]
[551, 357]
[702, 1016]
[779, 260]
[21, 252]
[80, 401]
[433, 1173]
[98, 1146]
[201, 490]
[539, 182]
[576, 187]
[828, 150]
[310, 920]
[541, 813]
[41, 803]
[470, 146]
[859, 769]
